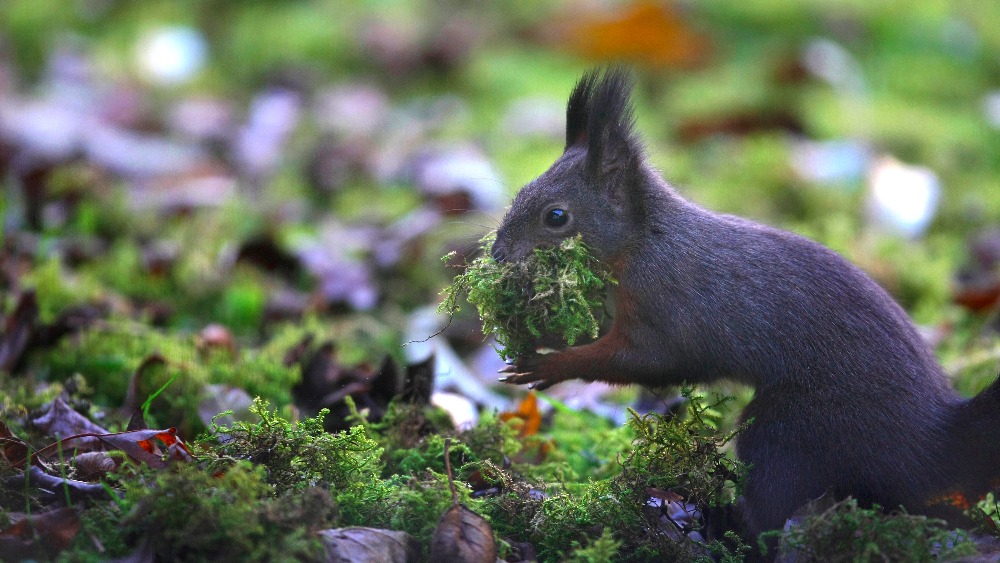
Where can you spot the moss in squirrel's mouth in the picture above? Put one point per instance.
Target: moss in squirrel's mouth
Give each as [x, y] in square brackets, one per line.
[556, 291]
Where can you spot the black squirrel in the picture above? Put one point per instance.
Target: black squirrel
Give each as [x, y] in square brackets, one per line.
[849, 399]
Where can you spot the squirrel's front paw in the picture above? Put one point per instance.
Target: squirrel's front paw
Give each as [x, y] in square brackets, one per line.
[535, 370]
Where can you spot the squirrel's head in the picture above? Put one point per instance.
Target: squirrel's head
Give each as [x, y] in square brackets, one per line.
[591, 187]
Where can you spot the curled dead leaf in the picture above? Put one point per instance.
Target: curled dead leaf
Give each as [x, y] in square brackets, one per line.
[56, 487]
[13, 449]
[463, 536]
[368, 545]
[61, 421]
[147, 446]
[39, 536]
[90, 465]
[17, 329]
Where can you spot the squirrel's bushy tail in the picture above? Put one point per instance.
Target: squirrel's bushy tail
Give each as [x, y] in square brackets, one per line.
[976, 431]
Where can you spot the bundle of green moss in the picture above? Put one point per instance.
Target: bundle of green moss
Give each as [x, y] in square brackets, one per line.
[556, 291]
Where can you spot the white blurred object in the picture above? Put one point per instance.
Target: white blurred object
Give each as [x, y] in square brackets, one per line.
[991, 107]
[461, 411]
[334, 259]
[201, 119]
[538, 116]
[352, 110]
[49, 130]
[137, 155]
[830, 61]
[841, 160]
[171, 55]
[462, 169]
[902, 198]
[273, 115]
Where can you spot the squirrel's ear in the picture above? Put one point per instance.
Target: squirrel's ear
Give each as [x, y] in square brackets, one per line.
[611, 141]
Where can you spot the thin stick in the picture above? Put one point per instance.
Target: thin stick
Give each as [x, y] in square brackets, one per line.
[447, 468]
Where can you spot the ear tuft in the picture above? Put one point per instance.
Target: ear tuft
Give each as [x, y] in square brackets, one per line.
[610, 134]
[578, 108]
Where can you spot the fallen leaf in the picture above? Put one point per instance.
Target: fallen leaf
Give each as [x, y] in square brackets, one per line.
[739, 124]
[15, 450]
[17, 331]
[70, 320]
[368, 545]
[39, 536]
[56, 488]
[978, 297]
[977, 286]
[93, 465]
[463, 535]
[527, 411]
[62, 422]
[649, 33]
[955, 498]
[668, 496]
[145, 446]
[222, 398]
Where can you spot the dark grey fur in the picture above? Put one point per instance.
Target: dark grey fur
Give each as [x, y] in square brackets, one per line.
[849, 398]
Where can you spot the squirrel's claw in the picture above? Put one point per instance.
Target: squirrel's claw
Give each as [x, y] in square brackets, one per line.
[541, 385]
[529, 370]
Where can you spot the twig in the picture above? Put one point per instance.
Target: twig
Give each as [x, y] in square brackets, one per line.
[447, 468]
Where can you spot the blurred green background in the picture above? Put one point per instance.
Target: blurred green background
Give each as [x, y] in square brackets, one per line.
[240, 162]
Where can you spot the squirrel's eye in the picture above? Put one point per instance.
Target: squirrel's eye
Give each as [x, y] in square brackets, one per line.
[556, 217]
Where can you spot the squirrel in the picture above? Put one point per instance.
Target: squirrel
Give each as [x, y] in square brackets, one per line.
[849, 400]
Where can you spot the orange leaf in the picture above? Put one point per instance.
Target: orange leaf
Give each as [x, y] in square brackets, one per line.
[141, 445]
[648, 33]
[952, 498]
[527, 412]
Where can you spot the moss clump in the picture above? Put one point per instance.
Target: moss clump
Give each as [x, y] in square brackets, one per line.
[685, 453]
[554, 291]
[847, 532]
[680, 454]
[189, 514]
[302, 454]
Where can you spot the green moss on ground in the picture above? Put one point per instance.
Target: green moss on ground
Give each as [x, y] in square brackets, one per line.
[846, 532]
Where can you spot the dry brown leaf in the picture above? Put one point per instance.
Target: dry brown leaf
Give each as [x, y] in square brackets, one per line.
[17, 331]
[61, 422]
[39, 536]
[14, 449]
[463, 535]
[147, 446]
[368, 545]
[94, 465]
